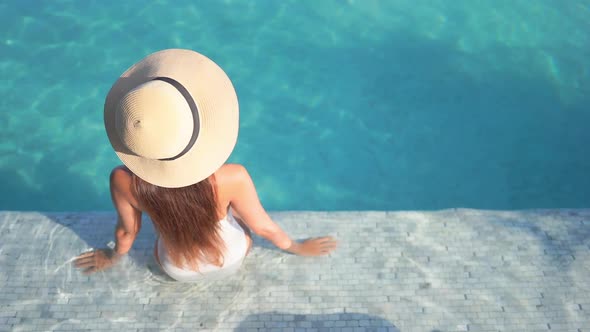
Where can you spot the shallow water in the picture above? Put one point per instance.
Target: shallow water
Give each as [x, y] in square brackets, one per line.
[382, 105]
[449, 270]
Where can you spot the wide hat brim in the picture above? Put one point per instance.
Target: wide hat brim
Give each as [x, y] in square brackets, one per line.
[217, 110]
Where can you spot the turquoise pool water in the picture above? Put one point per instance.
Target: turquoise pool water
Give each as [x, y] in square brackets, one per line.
[345, 105]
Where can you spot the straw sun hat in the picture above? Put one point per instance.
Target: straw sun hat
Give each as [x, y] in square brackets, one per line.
[172, 118]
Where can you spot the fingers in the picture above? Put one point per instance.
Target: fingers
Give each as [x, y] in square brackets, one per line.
[329, 250]
[326, 244]
[325, 239]
[87, 254]
[90, 262]
[85, 260]
[330, 243]
[85, 264]
[329, 247]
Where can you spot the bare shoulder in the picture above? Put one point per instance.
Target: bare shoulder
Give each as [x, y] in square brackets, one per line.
[229, 180]
[120, 177]
[121, 186]
[230, 174]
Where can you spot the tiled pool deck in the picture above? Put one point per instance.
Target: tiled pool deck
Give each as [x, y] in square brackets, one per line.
[448, 270]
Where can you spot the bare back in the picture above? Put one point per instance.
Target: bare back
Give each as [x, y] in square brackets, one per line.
[224, 185]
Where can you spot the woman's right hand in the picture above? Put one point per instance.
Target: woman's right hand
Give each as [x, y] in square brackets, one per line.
[318, 246]
[97, 260]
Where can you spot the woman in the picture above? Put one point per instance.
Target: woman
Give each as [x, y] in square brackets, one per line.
[172, 118]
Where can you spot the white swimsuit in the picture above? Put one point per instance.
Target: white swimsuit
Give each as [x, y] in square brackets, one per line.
[236, 247]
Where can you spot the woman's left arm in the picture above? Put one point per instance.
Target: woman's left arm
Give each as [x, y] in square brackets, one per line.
[128, 225]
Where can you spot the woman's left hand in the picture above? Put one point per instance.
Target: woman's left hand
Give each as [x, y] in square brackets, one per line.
[97, 260]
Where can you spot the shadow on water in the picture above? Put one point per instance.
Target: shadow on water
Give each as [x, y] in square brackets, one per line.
[278, 320]
[97, 230]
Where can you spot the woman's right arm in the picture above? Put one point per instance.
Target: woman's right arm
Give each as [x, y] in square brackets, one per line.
[245, 201]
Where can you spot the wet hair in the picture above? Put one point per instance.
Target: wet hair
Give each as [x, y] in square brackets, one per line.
[186, 219]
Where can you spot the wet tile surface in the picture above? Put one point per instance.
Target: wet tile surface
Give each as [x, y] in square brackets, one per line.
[448, 270]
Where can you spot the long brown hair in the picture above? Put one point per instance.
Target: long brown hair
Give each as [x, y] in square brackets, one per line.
[186, 219]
